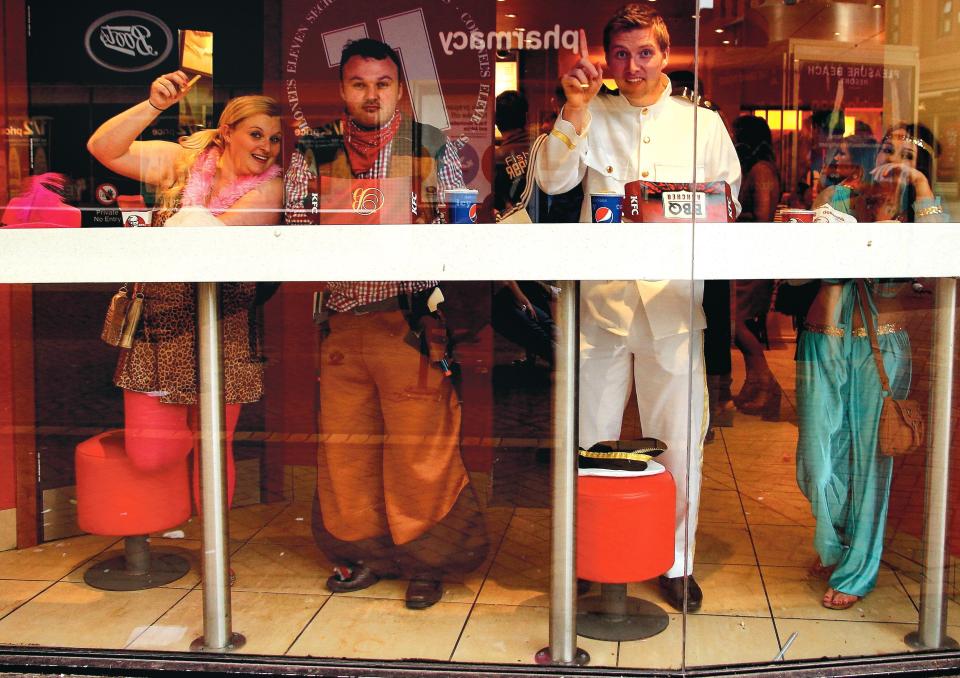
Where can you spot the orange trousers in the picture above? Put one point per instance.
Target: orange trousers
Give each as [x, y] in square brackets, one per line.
[389, 469]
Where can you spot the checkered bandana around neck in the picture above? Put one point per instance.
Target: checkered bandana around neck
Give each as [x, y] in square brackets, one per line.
[363, 145]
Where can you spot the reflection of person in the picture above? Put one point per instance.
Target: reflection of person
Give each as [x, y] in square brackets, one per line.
[838, 387]
[373, 141]
[759, 195]
[510, 174]
[393, 496]
[227, 175]
[521, 313]
[605, 139]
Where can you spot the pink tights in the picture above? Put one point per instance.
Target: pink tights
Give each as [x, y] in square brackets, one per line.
[159, 435]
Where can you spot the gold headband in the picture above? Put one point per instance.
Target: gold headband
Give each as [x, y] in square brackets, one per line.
[919, 143]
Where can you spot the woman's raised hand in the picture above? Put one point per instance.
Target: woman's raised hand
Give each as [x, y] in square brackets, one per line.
[582, 82]
[897, 176]
[168, 89]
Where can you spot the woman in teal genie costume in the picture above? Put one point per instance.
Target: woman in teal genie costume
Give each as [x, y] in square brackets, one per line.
[838, 388]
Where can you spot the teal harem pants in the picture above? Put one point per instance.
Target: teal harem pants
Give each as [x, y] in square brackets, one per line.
[838, 467]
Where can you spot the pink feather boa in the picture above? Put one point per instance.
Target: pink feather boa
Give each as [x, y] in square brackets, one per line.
[200, 183]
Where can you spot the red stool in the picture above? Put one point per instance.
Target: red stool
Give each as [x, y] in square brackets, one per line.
[114, 498]
[625, 533]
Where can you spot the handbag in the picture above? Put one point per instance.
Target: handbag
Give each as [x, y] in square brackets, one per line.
[123, 317]
[902, 428]
[518, 213]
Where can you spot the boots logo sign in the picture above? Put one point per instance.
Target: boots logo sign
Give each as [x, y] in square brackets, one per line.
[128, 41]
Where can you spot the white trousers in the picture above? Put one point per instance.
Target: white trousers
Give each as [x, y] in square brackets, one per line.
[670, 410]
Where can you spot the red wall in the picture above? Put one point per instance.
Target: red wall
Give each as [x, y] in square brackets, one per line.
[7, 455]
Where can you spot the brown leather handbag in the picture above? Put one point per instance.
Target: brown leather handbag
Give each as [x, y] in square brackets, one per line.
[902, 428]
[123, 316]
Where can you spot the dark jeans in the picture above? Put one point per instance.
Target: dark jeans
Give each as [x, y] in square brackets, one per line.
[537, 337]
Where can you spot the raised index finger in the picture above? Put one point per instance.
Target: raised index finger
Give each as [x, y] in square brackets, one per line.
[584, 50]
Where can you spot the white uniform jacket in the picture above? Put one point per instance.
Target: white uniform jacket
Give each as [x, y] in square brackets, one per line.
[622, 143]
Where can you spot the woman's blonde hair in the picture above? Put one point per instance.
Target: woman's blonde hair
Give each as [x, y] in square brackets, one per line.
[236, 110]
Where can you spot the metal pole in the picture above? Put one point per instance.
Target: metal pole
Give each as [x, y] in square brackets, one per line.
[217, 633]
[933, 597]
[563, 588]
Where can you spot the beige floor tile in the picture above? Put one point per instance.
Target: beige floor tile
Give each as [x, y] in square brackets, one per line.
[186, 548]
[816, 639]
[787, 545]
[796, 594]
[510, 634]
[366, 628]
[753, 435]
[912, 587]
[270, 567]
[507, 586]
[715, 640]
[304, 480]
[270, 622]
[727, 590]
[732, 590]
[14, 593]
[457, 588]
[769, 508]
[290, 525]
[662, 651]
[717, 506]
[245, 521]
[723, 543]
[53, 560]
[75, 615]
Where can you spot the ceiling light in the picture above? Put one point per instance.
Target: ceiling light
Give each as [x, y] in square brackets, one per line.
[836, 34]
[510, 16]
[718, 30]
[877, 5]
[726, 42]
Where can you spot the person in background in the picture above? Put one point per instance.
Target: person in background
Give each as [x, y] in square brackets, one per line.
[396, 502]
[510, 174]
[227, 175]
[759, 194]
[635, 330]
[839, 468]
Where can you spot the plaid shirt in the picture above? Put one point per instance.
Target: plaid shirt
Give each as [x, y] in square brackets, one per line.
[347, 295]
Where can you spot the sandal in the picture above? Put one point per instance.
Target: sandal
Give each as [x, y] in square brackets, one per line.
[838, 600]
[819, 570]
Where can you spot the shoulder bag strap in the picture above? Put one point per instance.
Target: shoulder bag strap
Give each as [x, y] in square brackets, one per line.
[867, 314]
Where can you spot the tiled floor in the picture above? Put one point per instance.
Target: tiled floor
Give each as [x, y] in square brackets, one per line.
[754, 545]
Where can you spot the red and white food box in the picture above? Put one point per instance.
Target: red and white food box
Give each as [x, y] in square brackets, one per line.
[658, 201]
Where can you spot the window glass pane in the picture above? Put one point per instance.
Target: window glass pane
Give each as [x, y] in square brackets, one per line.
[393, 446]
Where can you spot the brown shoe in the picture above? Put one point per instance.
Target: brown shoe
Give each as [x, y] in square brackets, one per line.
[422, 593]
[346, 579]
[672, 590]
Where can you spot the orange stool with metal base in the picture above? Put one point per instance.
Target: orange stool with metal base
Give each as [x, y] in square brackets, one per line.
[115, 498]
[625, 533]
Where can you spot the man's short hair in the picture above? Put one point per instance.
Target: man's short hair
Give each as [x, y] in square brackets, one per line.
[511, 110]
[633, 16]
[368, 48]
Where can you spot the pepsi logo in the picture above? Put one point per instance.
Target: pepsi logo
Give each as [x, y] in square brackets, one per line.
[602, 215]
[473, 213]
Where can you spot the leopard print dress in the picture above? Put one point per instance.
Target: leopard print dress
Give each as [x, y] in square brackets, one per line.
[163, 359]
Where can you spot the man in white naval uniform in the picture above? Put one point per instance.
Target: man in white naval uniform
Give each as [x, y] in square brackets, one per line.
[653, 329]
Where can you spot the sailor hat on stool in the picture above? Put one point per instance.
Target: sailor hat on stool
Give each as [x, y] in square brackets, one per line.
[622, 458]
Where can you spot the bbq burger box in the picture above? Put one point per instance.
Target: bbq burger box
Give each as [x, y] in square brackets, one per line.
[657, 201]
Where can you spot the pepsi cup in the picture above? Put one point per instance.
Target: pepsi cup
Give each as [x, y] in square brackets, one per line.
[462, 204]
[607, 208]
